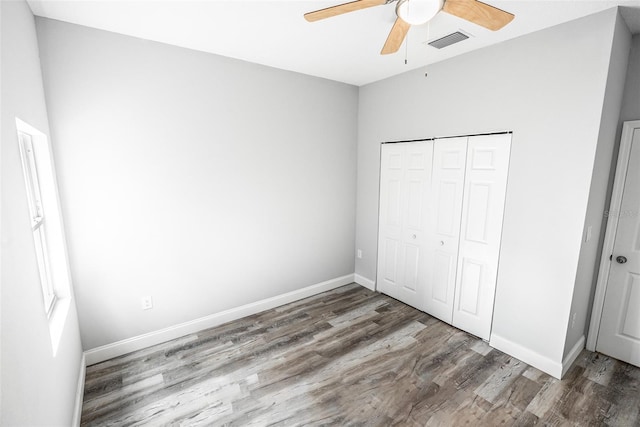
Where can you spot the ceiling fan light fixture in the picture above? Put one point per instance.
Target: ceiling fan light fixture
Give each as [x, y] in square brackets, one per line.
[418, 12]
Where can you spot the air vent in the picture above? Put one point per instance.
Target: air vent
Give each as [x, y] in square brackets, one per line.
[448, 40]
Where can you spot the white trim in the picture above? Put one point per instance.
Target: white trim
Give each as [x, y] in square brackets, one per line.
[109, 351]
[527, 355]
[363, 281]
[77, 410]
[567, 362]
[610, 235]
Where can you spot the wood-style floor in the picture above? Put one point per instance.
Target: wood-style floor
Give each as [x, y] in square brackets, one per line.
[350, 357]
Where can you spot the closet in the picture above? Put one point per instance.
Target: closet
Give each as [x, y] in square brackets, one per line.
[440, 224]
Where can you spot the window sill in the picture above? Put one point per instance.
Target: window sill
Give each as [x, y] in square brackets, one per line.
[57, 321]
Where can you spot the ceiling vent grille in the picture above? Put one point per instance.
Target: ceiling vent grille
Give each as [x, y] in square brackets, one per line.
[449, 40]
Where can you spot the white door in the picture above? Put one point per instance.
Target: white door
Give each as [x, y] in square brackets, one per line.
[404, 189]
[483, 208]
[449, 161]
[619, 334]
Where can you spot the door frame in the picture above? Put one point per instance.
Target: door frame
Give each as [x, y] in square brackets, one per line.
[624, 152]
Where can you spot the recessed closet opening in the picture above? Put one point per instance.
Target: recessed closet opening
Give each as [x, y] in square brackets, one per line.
[440, 225]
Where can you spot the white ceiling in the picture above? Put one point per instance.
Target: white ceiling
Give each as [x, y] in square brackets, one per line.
[344, 48]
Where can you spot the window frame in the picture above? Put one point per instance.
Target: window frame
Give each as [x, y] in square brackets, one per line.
[37, 219]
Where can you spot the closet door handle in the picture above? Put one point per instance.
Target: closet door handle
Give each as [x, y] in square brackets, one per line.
[441, 242]
[414, 236]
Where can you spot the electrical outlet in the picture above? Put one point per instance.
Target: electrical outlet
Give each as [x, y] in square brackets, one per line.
[589, 233]
[573, 320]
[359, 254]
[146, 303]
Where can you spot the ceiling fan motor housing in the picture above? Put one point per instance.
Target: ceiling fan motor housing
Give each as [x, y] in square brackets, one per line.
[418, 12]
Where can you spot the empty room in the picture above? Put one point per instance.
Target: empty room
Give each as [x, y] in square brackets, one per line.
[256, 212]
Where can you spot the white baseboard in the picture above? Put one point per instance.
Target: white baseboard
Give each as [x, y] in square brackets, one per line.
[77, 409]
[527, 355]
[573, 355]
[363, 281]
[109, 351]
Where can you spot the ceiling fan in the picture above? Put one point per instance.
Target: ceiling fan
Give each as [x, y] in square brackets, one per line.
[418, 12]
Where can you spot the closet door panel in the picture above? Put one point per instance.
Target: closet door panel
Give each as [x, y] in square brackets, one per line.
[390, 253]
[449, 161]
[419, 156]
[411, 268]
[391, 206]
[418, 180]
[481, 232]
[403, 236]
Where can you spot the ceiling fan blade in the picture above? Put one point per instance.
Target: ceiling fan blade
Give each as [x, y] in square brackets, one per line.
[396, 37]
[479, 13]
[342, 8]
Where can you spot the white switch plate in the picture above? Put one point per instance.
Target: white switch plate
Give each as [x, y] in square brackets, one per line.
[589, 233]
[359, 255]
[146, 303]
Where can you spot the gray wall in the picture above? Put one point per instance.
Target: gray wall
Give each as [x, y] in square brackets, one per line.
[205, 182]
[600, 192]
[37, 388]
[631, 101]
[548, 88]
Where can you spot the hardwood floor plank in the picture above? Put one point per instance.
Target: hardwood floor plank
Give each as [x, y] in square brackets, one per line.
[519, 393]
[500, 380]
[526, 419]
[623, 393]
[509, 407]
[471, 411]
[536, 375]
[350, 357]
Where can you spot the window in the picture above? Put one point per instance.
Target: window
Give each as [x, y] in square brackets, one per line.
[38, 219]
[46, 222]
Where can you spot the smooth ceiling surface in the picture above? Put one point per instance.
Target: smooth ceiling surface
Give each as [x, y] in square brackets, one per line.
[344, 48]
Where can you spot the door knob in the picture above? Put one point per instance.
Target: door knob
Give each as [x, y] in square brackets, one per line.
[413, 237]
[621, 259]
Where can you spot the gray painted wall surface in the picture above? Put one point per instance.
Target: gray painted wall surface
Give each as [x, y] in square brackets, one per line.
[546, 87]
[601, 185]
[631, 101]
[205, 182]
[37, 388]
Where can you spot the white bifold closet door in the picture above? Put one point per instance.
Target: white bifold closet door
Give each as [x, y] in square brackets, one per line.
[485, 187]
[442, 257]
[445, 212]
[405, 186]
